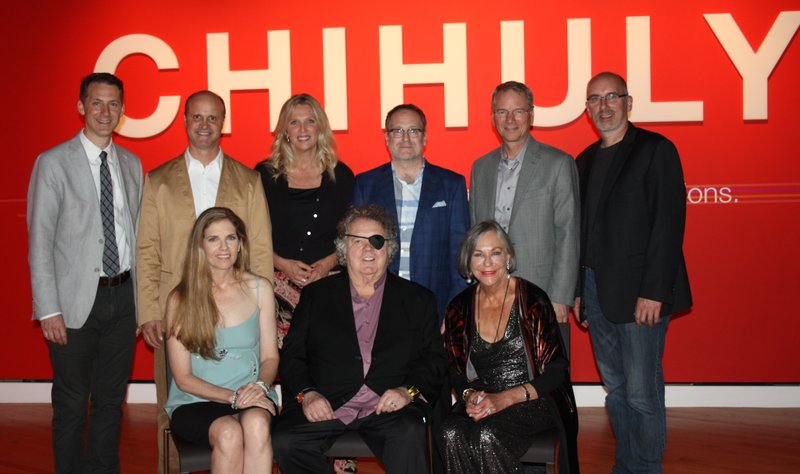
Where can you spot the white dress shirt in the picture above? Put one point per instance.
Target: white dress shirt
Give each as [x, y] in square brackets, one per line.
[204, 180]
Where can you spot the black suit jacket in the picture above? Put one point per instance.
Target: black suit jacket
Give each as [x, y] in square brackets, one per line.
[638, 229]
[321, 349]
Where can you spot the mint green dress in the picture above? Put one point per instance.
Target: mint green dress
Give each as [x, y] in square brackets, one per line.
[239, 362]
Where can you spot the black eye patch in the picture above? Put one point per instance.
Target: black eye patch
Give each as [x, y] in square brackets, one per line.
[376, 241]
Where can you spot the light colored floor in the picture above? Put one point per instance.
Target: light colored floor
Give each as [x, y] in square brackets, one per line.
[700, 440]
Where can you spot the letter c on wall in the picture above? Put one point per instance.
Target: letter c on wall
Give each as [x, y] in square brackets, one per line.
[165, 58]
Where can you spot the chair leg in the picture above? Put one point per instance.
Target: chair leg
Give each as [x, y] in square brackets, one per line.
[429, 443]
[165, 443]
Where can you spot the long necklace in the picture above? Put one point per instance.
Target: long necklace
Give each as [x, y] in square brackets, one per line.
[499, 317]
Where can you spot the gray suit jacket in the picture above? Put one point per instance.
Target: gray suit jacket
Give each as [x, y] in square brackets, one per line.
[65, 230]
[545, 220]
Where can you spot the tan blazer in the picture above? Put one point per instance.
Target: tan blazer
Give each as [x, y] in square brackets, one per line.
[166, 219]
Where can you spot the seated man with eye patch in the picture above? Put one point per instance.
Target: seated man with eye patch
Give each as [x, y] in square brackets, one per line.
[363, 354]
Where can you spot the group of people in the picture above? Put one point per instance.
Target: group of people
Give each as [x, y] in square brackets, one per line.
[375, 298]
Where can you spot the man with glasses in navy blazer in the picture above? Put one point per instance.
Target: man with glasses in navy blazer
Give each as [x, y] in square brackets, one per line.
[428, 201]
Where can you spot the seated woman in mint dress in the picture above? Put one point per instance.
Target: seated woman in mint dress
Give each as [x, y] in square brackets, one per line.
[222, 348]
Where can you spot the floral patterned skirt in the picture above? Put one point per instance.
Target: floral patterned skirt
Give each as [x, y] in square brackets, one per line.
[287, 295]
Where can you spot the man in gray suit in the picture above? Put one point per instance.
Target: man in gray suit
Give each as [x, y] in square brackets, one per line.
[83, 202]
[531, 190]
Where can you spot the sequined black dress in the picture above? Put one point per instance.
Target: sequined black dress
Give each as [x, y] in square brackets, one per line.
[494, 444]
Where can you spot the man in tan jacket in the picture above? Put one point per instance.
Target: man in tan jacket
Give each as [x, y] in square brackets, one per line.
[174, 194]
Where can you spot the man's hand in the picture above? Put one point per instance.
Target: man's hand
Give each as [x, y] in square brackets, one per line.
[54, 329]
[647, 312]
[392, 400]
[153, 333]
[316, 407]
[576, 310]
[562, 312]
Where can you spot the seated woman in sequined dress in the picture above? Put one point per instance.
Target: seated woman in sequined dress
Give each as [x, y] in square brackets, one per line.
[507, 364]
[222, 348]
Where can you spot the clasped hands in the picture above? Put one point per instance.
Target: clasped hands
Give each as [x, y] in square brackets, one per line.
[302, 273]
[253, 395]
[317, 408]
[480, 404]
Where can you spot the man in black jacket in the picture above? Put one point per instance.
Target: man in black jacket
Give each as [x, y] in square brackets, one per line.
[633, 275]
[363, 354]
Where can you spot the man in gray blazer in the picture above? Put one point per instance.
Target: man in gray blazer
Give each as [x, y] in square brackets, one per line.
[531, 189]
[83, 203]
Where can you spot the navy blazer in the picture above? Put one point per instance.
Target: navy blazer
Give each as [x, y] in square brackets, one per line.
[441, 223]
[638, 229]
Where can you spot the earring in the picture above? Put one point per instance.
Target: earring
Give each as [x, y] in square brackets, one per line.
[287, 139]
[469, 279]
[508, 268]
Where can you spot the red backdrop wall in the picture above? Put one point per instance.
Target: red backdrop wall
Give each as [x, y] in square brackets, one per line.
[735, 66]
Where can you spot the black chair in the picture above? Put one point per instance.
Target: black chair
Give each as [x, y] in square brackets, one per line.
[191, 457]
[545, 448]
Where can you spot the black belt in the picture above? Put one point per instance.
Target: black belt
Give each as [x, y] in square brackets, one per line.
[115, 280]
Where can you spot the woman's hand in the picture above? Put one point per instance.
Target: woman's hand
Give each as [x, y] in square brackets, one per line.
[322, 267]
[481, 404]
[298, 272]
[252, 395]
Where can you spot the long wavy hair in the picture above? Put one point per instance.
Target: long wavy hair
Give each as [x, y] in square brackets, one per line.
[196, 315]
[282, 156]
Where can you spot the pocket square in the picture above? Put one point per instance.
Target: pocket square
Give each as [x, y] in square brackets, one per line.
[439, 204]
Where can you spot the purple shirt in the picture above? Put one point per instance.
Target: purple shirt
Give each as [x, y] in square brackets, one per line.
[366, 313]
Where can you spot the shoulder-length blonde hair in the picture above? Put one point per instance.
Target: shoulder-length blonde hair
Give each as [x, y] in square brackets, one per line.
[196, 314]
[282, 155]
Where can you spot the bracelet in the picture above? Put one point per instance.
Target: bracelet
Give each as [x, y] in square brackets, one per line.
[527, 393]
[466, 393]
[233, 399]
[264, 386]
[301, 394]
[413, 391]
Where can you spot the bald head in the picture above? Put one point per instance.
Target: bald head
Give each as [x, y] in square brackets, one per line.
[199, 94]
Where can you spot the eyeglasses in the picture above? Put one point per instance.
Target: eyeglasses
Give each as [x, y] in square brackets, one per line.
[411, 132]
[610, 98]
[517, 113]
[376, 241]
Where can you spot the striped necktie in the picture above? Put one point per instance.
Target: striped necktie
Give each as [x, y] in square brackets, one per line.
[110, 252]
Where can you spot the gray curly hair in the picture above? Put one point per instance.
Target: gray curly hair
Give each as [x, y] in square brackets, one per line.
[371, 212]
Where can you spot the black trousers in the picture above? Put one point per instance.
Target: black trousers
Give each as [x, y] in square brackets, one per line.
[397, 440]
[96, 361]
